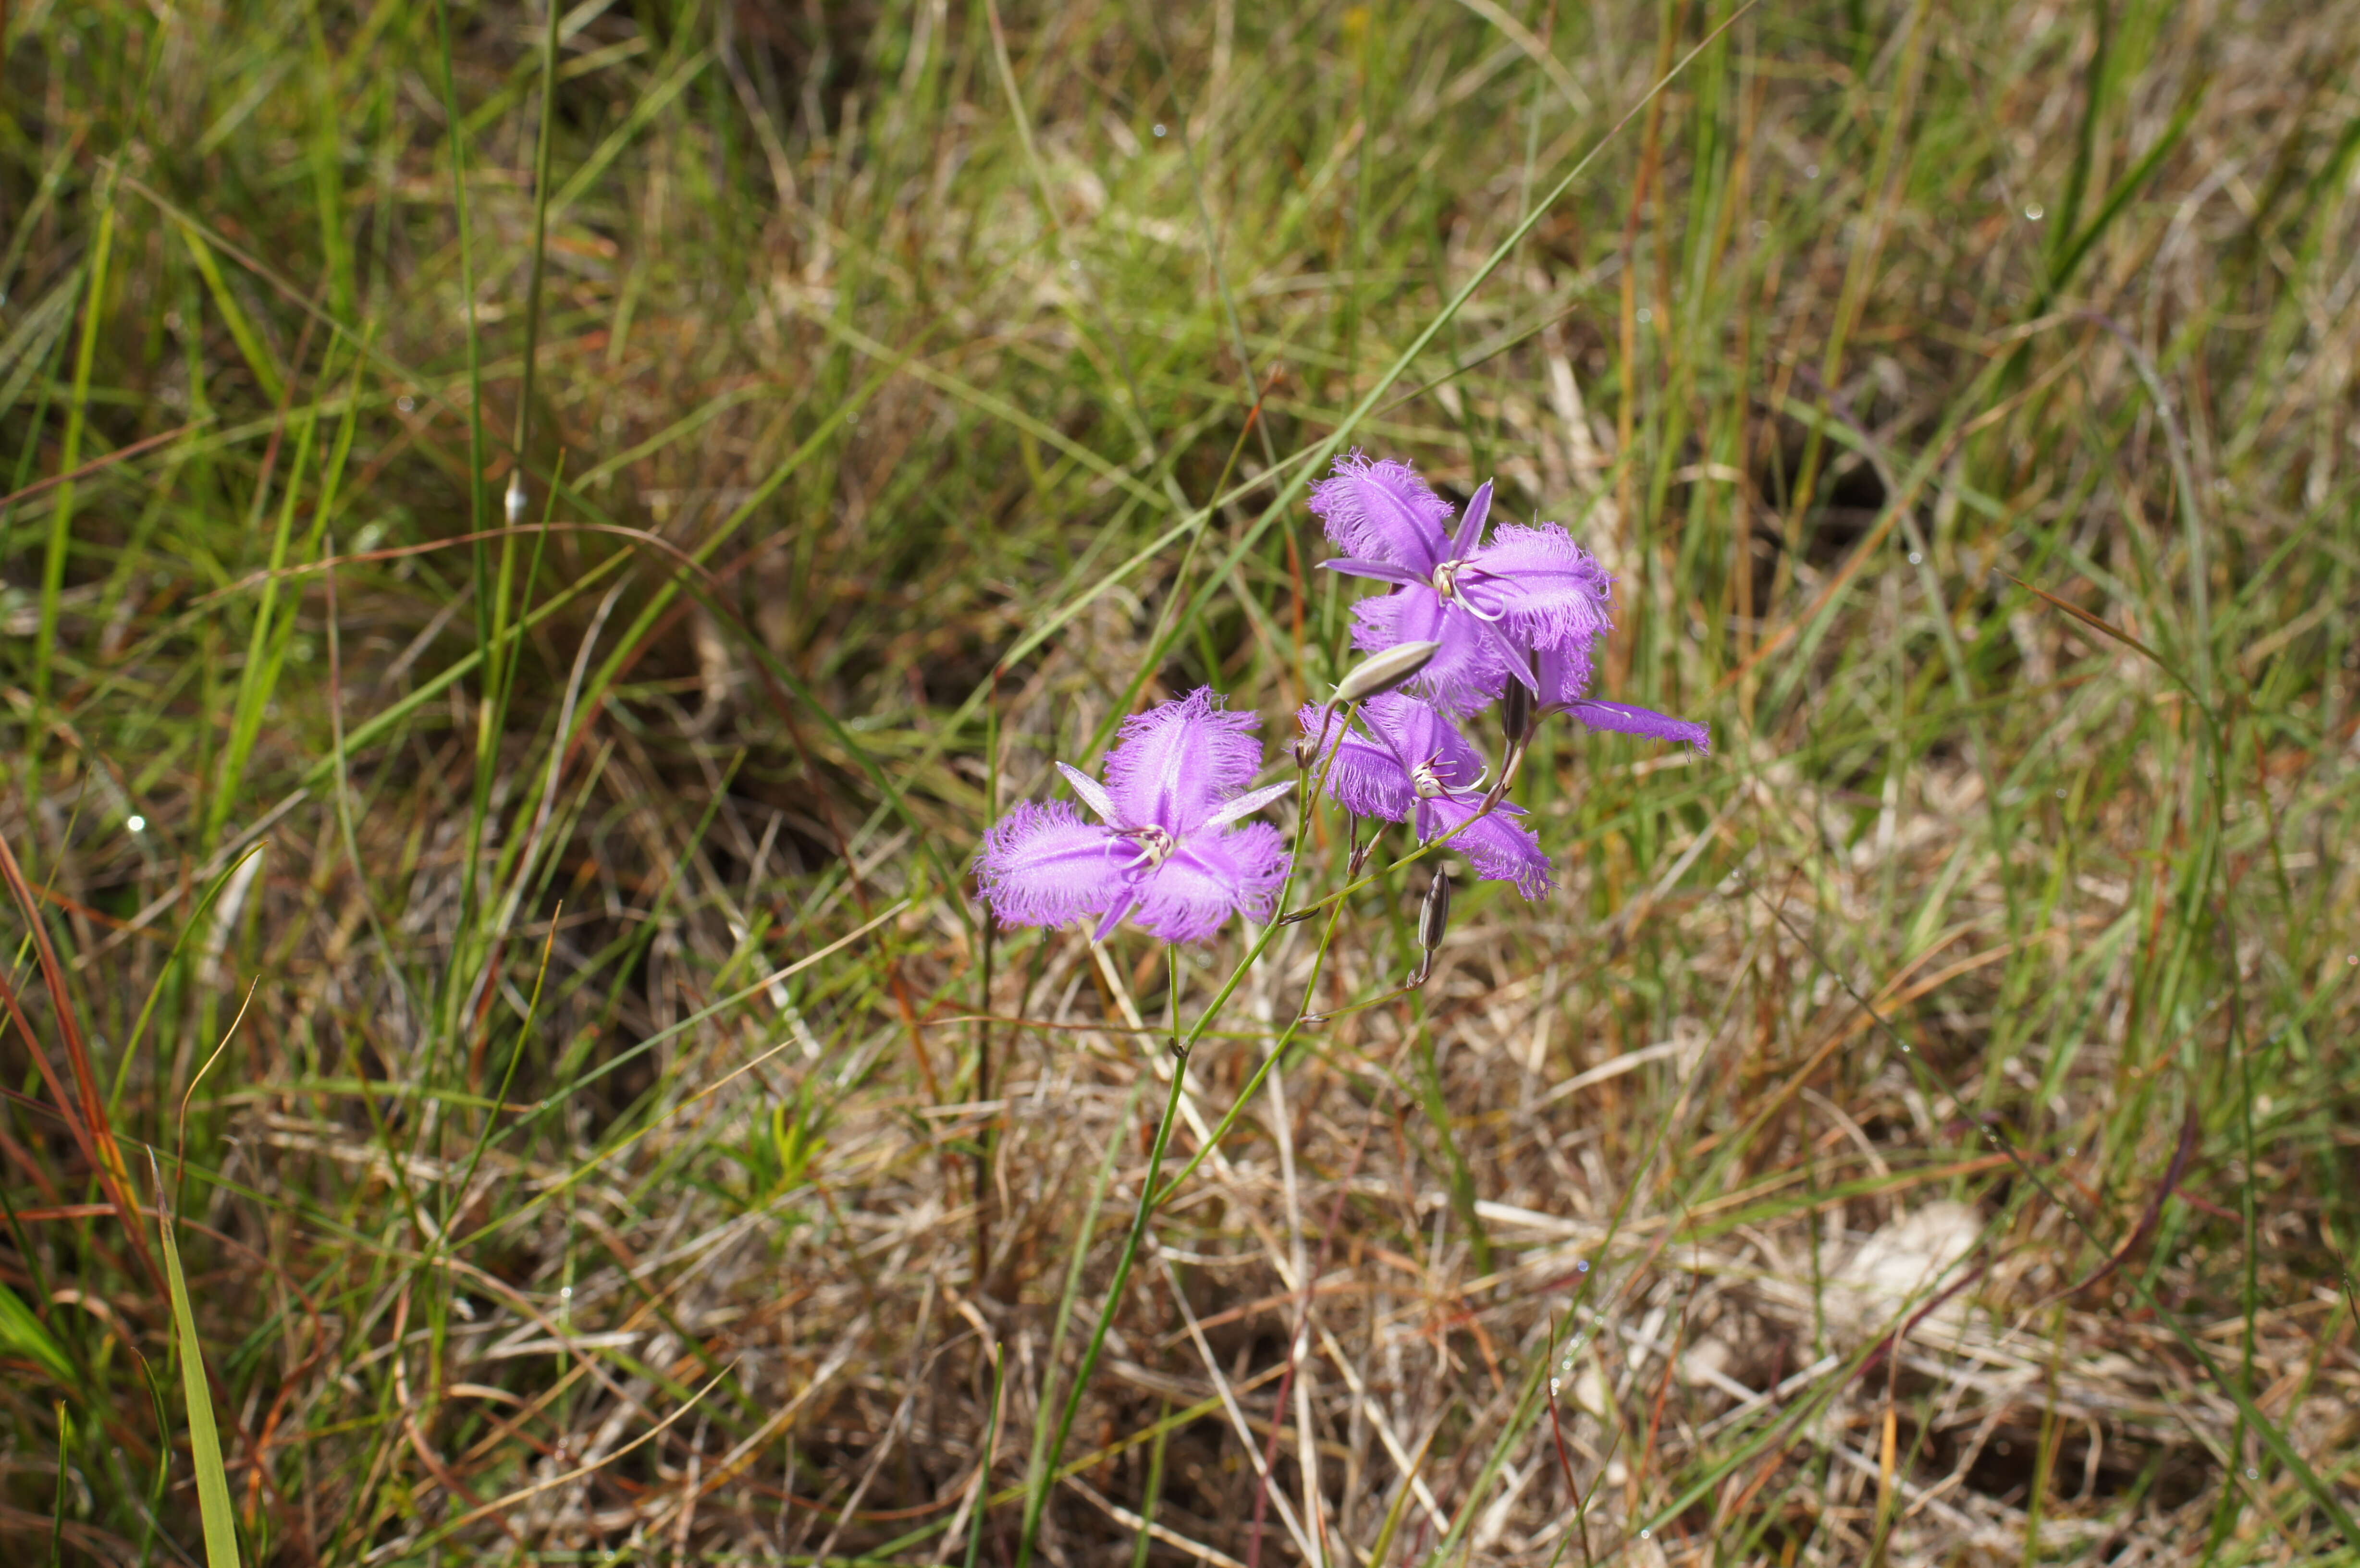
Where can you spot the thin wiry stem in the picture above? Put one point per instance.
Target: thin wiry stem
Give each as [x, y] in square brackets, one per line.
[1150, 1196]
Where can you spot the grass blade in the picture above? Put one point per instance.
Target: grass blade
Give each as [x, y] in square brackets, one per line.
[204, 1440]
[23, 1334]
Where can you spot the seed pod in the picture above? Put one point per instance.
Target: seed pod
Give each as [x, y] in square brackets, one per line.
[1307, 750]
[515, 497]
[1383, 672]
[1434, 916]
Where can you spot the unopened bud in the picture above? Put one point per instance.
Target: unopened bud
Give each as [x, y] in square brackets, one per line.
[515, 497]
[1311, 1018]
[1516, 712]
[1434, 916]
[1383, 672]
[1358, 861]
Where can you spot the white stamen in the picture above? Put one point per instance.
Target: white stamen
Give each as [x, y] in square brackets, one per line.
[1447, 587]
[1155, 846]
[1426, 779]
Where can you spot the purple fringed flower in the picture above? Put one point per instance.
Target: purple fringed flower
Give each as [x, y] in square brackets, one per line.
[1564, 675]
[1166, 851]
[1414, 766]
[1488, 606]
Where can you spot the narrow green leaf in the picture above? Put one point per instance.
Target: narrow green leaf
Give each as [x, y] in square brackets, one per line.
[249, 342]
[204, 1440]
[23, 1334]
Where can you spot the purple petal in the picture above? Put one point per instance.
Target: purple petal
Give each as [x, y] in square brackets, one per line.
[1247, 804]
[1122, 906]
[1376, 569]
[1364, 777]
[1558, 594]
[1210, 878]
[1499, 847]
[1469, 535]
[1464, 675]
[1564, 674]
[1174, 764]
[1043, 866]
[1624, 719]
[1383, 511]
[1093, 795]
[1514, 648]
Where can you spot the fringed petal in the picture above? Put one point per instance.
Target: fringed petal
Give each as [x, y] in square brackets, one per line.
[1564, 674]
[1499, 847]
[1211, 876]
[1624, 719]
[1363, 776]
[1381, 510]
[1558, 594]
[1466, 673]
[1043, 866]
[1174, 764]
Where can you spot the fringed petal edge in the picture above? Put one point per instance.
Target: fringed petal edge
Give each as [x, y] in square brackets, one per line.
[1042, 866]
[1380, 509]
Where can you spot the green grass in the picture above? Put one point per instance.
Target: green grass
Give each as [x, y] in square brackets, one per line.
[611, 1130]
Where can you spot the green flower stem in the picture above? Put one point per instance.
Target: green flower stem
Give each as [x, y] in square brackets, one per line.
[1152, 1196]
[1038, 1498]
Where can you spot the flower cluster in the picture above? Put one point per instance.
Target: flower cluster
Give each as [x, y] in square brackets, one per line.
[1526, 605]
[1171, 848]
[1471, 616]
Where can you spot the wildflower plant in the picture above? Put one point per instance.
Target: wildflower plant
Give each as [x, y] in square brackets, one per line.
[1166, 841]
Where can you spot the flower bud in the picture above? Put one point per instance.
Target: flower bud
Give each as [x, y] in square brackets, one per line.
[514, 499]
[1307, 750]
[1516, 712]
[1434, 916]
[1383, 672]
